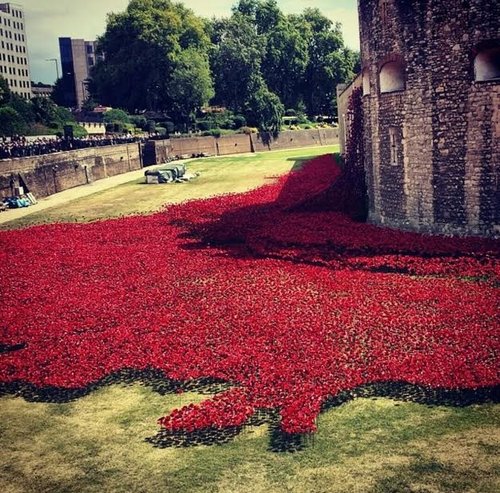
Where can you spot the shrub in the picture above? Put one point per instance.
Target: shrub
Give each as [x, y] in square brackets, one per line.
[205, 125]
[78, 131]
[116, 116]
[139, 121]
[11, 122]
[239, 121]
[151, 125]
[248, 130]
[302, 118]
[116, 127]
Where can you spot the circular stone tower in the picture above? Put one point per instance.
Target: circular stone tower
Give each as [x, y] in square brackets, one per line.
[431, 99]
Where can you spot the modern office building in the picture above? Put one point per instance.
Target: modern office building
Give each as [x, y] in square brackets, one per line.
[77, 58]
[14, 65]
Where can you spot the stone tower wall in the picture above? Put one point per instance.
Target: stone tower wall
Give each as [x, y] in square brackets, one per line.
[432, 148]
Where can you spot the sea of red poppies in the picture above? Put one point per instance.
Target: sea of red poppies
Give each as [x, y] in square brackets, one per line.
[288, 305]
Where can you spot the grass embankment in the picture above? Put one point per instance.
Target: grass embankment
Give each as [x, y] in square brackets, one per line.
[98, 444]
[217, 176]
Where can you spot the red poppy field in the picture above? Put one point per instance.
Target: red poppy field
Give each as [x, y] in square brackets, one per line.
[290, 306]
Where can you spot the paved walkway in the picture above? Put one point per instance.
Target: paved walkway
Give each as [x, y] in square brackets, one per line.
[72, 194]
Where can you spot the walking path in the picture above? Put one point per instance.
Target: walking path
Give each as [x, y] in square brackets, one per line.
[72, 194]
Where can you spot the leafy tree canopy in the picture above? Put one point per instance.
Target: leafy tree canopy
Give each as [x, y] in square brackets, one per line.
[11, 122]
[236, 62]
[20, 116]
[301, 58]
[4, 91]
[159, 56]
[190, 86]
[116, 116]
[143, 47]
[267, 109]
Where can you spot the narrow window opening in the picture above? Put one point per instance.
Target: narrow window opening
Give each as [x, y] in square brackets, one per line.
[366, 82]
[393, 145]
[383, 10]
[487, 64]
[392, 77]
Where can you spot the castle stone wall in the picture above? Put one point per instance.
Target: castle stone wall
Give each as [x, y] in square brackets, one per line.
[432, 150]
[156, 152]
[192, 146]
[291, 139]
[233, 144]
[51, 173]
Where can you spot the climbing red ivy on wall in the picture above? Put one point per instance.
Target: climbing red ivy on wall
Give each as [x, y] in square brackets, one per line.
[354, 171]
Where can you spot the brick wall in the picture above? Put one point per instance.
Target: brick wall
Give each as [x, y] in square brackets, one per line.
[51, 173]
[156, 152]
[291, 139]
[233, 144]
[432, 153]
[193, 145]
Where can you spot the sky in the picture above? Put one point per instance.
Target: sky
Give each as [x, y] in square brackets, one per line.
[47, 20]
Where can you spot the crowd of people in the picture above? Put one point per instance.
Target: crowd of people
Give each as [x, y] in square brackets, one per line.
[20, 146]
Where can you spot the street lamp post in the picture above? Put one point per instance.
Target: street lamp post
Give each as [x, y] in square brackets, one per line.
[57, 66]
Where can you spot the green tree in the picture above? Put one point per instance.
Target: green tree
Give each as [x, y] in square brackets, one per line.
[247, 8]
[266, 110]
[267, 16]
[4, 92]
[285, 61]
[301, 58]
[89, 104]
[140, 121]
[11, 122]
[236, 62]
[45, 111]
[190, 85]
[63, 93]
[329, 63]
[116, 115]
[142, 48]
[23, 107]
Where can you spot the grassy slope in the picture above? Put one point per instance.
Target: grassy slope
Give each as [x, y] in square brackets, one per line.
[98, 443]
[217, 176]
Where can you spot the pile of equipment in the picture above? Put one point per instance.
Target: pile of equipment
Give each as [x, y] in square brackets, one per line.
[175, 173]
[18, 200]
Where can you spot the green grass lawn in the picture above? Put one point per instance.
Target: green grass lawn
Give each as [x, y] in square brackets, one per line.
[98, 443]
[217, 176]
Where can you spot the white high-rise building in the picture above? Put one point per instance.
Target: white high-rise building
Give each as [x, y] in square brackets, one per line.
[14, 65]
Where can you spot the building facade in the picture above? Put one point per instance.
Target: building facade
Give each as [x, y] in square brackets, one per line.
[431, 101]
[14, 62]
[40, 90]
[77, 58]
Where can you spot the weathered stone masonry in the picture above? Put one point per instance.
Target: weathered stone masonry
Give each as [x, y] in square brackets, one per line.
[431, 124]
[51, 173]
